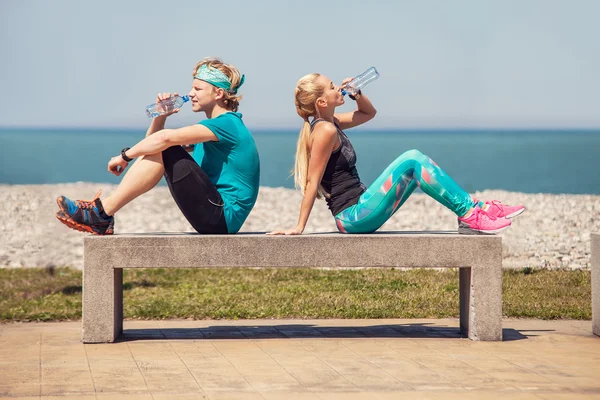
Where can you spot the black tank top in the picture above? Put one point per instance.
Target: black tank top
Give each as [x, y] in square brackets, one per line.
[340, 179]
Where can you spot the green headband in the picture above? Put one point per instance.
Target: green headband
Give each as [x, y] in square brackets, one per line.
[217, 78]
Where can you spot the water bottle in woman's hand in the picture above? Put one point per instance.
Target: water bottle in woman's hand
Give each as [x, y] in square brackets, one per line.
[165, 106]
[360, 82]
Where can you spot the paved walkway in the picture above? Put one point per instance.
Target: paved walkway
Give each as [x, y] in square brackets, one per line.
[301, 359]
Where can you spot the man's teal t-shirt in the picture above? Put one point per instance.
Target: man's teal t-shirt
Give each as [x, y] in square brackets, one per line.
[232, 165]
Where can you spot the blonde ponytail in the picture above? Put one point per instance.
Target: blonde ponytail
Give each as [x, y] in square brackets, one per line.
[302, 158]
[306, 94]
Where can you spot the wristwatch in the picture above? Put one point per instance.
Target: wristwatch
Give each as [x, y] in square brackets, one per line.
[356, 96]
[124, 156]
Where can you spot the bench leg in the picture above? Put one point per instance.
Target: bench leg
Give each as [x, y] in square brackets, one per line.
[102, 302]
[465, 299]
[481, 301]
[595, 267]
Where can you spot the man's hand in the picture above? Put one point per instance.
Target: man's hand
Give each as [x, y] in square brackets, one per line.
[117, 165]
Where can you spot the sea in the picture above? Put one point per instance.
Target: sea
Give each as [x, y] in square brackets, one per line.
[520, 160]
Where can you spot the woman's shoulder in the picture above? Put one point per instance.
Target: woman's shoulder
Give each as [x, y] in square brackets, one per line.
[325, 131]
[323, 126]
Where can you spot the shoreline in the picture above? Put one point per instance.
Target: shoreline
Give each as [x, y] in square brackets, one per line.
[553, 233]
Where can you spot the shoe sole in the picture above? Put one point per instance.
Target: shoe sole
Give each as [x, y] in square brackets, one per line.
[79, 227]
[516, 213]
[469, 231]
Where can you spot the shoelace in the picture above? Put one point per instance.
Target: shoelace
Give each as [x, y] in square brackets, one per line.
[490, 217]
[88, 204]
[498, 204]
[85, 204]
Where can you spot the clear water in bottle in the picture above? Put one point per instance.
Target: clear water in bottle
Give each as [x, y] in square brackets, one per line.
[360, 81]
[165, 106]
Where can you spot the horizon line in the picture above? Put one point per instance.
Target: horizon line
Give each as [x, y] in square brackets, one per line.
[273, 128]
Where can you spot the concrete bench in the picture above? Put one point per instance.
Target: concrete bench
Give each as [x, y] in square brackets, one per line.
[478, 257]
[595, 283]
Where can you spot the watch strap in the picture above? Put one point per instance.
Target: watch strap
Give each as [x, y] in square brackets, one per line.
[124, 156]
[355, 96]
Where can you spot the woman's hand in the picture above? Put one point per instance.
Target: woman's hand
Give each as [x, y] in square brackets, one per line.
[117, 165]
[167, 110]
[345, 81]
[293, 231]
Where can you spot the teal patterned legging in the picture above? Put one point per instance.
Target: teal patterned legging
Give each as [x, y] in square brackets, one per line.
[387, 194]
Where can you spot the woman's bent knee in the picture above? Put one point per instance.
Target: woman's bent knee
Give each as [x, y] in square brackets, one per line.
[413, 154]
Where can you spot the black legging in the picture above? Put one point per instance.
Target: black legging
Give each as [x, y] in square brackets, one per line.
[195, 195]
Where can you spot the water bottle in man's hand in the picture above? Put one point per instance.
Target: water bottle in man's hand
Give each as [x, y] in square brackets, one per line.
[360, 82]
[165, 106]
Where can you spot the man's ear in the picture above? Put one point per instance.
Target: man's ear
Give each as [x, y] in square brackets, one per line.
[219, 93]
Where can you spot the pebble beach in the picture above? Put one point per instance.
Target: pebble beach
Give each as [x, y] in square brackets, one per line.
[553, 233]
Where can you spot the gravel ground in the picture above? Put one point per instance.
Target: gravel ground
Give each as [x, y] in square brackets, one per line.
[553, 233]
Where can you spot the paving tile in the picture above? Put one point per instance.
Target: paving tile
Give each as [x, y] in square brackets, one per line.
[178, 396]
[362, 374]
[568, 396]
[234, 395]
[289, 396]
[18, 389]
[109, 376]
[23, 398]
[219, 375]
[162, 351]
[412, 395]
[481, 395]
[162, 368]
[68, 388]
[261, 332]
[299, 331]
[108, 351]
[65, 372]
[266, 375]
[348, 396]
[124, 396]
[411, 347]
[26, 372]
[455, 370]
[166, 379]
[27, 350]
[288, 359]
[209, 367]
[132, 335]
[306, 367]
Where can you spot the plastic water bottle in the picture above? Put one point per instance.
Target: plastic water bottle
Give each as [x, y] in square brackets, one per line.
[165, 106]
[360, 81]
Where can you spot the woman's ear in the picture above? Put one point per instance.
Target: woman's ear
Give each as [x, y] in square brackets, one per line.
[321, 102]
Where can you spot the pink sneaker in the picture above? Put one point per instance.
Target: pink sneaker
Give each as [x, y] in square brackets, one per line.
[499, 210]
[479, 222]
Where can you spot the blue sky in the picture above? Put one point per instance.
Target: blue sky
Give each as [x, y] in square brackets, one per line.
[461, 63]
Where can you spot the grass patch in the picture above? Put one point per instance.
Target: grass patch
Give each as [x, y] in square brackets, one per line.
[55, 294]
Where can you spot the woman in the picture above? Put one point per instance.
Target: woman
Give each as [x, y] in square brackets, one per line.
[326, 167]
[215, 188]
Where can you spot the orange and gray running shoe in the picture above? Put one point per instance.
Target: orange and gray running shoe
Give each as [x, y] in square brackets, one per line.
[84, 215]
